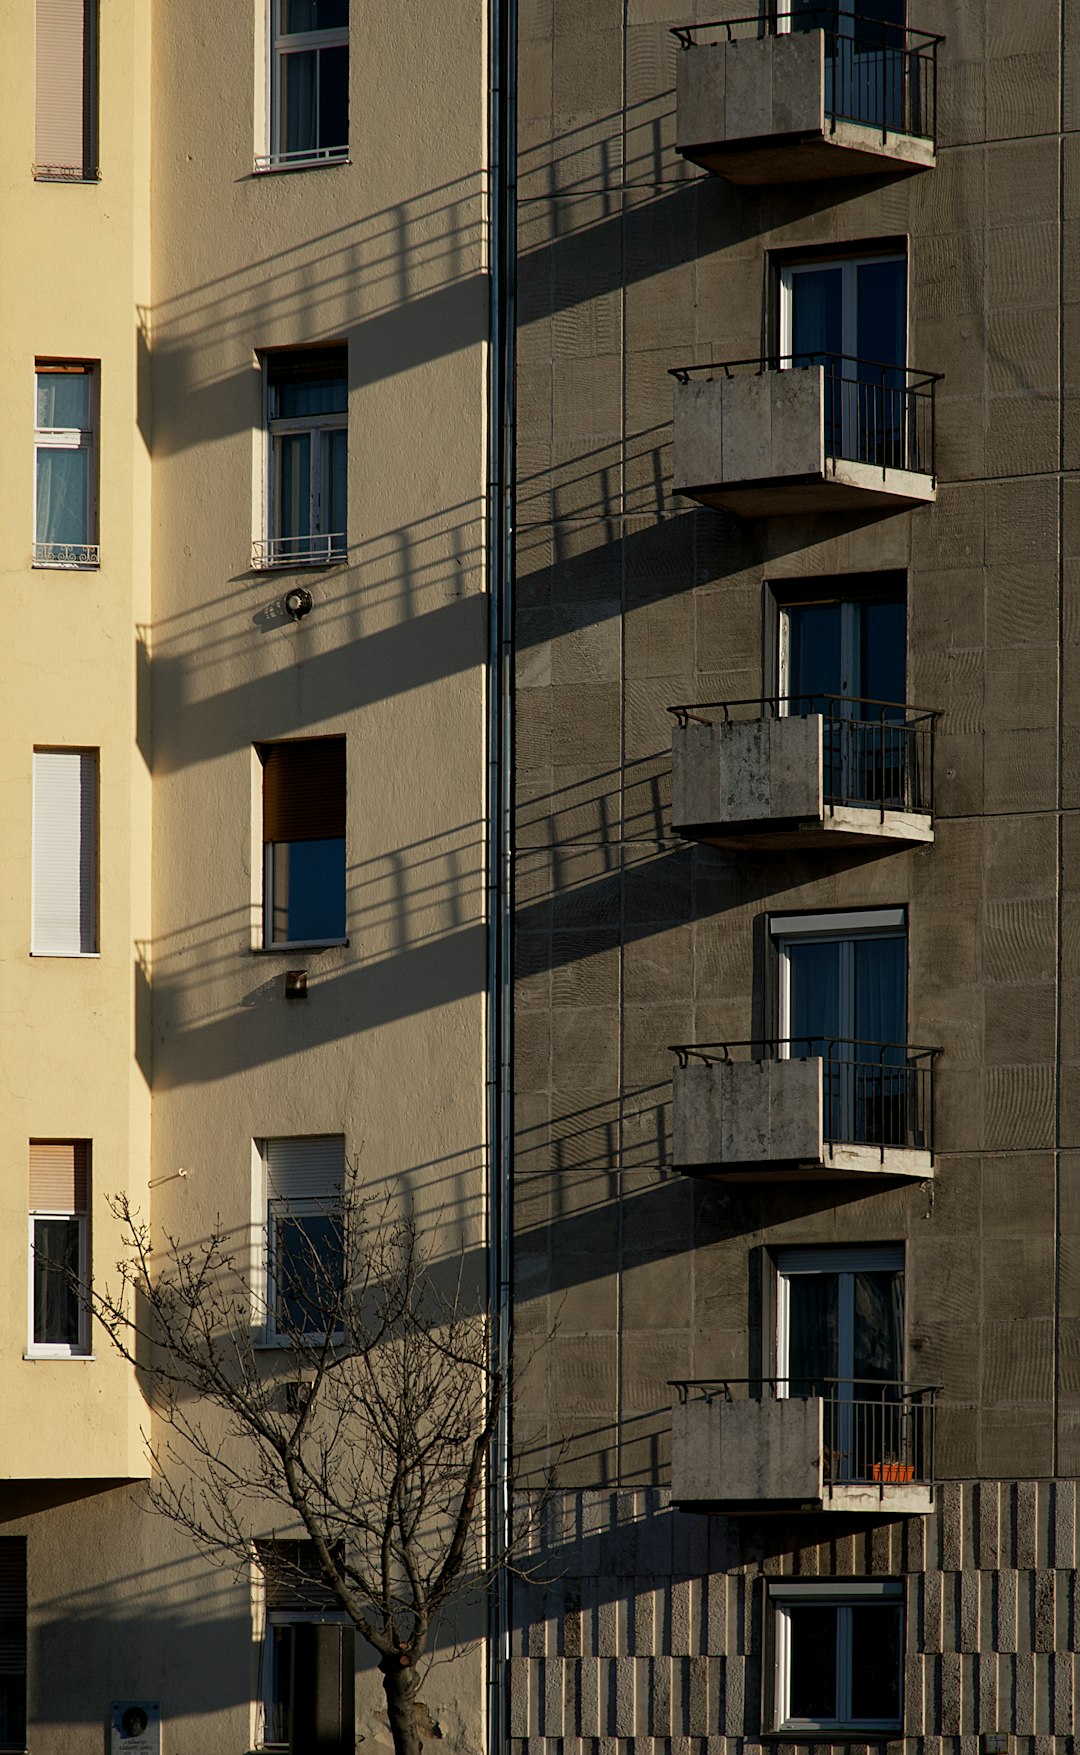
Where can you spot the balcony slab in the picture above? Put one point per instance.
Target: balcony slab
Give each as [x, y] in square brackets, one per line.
[759, 784]
[753, 443]
[763, 1121]
[753, 111]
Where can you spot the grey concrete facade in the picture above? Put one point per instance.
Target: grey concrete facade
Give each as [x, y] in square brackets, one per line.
[631, 600]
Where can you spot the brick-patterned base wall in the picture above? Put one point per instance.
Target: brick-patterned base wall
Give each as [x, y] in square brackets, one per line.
[641, 1632]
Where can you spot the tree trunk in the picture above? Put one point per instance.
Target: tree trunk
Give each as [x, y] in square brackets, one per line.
[399, 1686]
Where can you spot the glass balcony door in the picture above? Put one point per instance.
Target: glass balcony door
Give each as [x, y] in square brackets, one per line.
[846, 660]
[864, 56]
[840, 1335]
[850, 317]
[844, 997]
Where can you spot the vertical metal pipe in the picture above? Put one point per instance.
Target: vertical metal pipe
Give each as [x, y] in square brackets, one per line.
[502, 237]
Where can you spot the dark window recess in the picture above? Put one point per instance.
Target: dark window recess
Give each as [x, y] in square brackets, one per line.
[304, 840]
[12, 1642]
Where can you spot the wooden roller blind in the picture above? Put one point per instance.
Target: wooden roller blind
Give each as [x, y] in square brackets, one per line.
[66, 78]
[307, 1168]
[59, 1176]
[293, 1577]
[304, 790]
[65, 852]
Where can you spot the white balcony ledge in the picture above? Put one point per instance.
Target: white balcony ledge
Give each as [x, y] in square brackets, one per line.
[300, 551]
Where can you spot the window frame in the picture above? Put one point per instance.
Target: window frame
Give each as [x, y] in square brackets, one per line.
[267, 941]
[324, 1205]
[70, 556]
[842, 1259]
[849, 264]
[266, 1619]
[80, 1347]
[94, 866]
[846, 1596]
[323, 550]
[282, 44]
[839, 927]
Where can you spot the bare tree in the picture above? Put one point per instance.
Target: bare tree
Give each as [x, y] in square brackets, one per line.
[367, 1437]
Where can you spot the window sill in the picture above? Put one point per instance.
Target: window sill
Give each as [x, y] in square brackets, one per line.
[269, 167]
[66, 957]
[834, 1734]
[64, 174]
[302, 944]
[38, 1353]
[289, 1343]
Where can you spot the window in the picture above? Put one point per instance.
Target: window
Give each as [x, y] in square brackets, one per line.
[65, 465]
[850, 316]
[840, 1336]
[838, 1654]
[305, 1239]
[843, 655]
[307, 489]
[59, 1246]
[65, 147]
[843, 996]
[309, 97]
[65, 853]
[304, 841]
[12, 1642]
[296, 1599]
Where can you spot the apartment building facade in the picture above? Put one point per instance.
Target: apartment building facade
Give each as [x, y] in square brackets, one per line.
[795, 1169]
[245, 347]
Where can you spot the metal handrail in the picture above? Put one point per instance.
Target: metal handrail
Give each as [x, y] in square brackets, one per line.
[709, 1387]
[712, 1052]
[781, 362]
[768, 26]
[687, 710]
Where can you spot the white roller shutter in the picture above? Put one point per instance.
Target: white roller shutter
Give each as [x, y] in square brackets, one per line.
[307, 1168]
[65, 853]
[62, 87]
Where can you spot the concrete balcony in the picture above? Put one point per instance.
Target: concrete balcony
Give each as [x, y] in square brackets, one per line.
[769, 1446]
[774, 774]
[848, 99]
[782, 1111]
[836, 435]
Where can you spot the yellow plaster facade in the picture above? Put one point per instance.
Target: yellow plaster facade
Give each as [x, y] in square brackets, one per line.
[175, 1047]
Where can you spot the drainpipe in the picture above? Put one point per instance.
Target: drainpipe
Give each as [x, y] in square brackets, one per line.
[502, 222]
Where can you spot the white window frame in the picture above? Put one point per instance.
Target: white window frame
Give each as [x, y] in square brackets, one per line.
[849, 295]
[846, 1597]
[840, 927]
[325, 547]
[283, 44]
[269, 942]
[80, 1347]
[266, 1206]
[37, 948]
[841, 1260]
[70, 556]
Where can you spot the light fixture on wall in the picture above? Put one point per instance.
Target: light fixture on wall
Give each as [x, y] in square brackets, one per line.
[298, 602]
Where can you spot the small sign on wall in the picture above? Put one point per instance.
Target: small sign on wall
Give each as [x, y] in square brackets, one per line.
[136, 1727]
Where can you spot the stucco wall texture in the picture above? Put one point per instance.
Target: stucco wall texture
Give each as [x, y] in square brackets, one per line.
[631, 600]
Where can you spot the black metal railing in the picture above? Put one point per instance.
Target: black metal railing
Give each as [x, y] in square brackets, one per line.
[877, 1094]
[875, 754]
[876, 72]
[873, 413]
[873, 1431]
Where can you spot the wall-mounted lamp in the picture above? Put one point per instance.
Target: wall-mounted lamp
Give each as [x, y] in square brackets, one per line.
[296, 984]
[298, 602]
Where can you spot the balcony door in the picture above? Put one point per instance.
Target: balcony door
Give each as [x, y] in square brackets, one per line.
[850, 317]
[865, 52]
[843, 996]
[840, 1335]
[846, 660]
